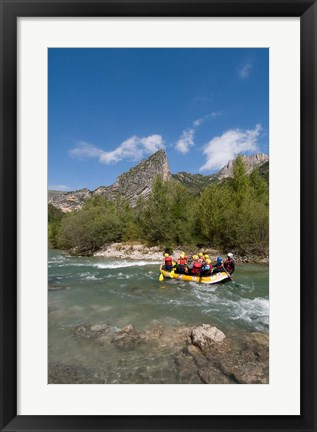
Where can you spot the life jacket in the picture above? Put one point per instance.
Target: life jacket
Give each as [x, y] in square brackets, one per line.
[228, 265]
[219, 265]
[169, 261]
[196, 267]
[181, 261]
[180, 268]
[206, 269]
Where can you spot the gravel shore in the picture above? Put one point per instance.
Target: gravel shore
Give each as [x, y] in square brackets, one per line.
[155, 253]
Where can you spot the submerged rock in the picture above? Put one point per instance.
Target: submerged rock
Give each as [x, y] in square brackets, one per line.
[100, 333]
[242, 359]
[98, 327]
[248, 362]
[60, 373]
[126, 338]
[57, 287]
[182, 354]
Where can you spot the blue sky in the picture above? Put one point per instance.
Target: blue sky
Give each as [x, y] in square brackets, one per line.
[110, 108]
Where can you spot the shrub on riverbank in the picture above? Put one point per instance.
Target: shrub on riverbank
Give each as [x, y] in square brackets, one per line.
[55, 217]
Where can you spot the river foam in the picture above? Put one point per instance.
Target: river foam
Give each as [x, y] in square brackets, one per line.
[124, 264]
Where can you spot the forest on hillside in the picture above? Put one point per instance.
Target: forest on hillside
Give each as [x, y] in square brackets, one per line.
[232, 215]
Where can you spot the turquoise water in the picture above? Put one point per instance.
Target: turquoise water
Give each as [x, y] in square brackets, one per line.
[120, 292]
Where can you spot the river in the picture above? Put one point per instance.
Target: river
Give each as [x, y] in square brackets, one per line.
[87, 291]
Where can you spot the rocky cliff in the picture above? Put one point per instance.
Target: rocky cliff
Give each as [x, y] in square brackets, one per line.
[131, 185]
[138, 181]
[251, 163]
[197, 182]
[69, 201]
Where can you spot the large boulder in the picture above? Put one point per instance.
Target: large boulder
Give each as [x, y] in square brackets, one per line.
[206, 336]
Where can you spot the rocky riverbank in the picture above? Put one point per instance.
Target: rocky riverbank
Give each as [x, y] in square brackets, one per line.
[154, 253]
[180, 354]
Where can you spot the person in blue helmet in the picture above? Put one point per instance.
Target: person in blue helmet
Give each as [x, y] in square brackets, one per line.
[218, 265]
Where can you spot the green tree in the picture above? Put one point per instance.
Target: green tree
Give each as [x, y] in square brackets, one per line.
[166, 216]
[260, 187]
[55, 217]
[234, 214]
[86, 230]
[240, 181]
[54, 214]
[154, 218]
[217, 209]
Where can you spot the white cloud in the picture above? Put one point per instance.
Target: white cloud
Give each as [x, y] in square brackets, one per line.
[200, 121]
[152, 143]
[62, 188]
[245, 71]
[84, 150]
[220, 150]
[186, 140]
[134, 148]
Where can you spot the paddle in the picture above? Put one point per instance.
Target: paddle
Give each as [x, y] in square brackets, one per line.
[161, 278]
[229, 276]
[171, 275]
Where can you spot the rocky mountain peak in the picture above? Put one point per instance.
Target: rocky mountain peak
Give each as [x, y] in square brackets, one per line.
[137, 182]
[251, 163]
[131, 185]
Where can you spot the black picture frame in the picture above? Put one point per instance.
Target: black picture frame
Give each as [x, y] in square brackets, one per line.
[10, 11]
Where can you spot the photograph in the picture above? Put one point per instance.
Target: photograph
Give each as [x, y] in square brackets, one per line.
[158, 215]
[158, 169]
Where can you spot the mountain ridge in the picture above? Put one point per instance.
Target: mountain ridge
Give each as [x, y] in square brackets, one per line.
[137, 181]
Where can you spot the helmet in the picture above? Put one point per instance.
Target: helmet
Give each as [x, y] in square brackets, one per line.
[206, 256]
[166, 255]
[200, 254]
[230, 255]
[182, 255]
[208, 261]
[219, 259]
[195, 257]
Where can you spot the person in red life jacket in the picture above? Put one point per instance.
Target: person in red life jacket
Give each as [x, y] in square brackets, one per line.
[218, 265]
[185, 257]
[168, 262]
[200, 257]
[229, 264]
[181, 263]
[206, 257]
[195, 267]
[206, 268]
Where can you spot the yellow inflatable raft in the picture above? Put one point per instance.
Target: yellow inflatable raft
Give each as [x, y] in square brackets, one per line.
[213, 279]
